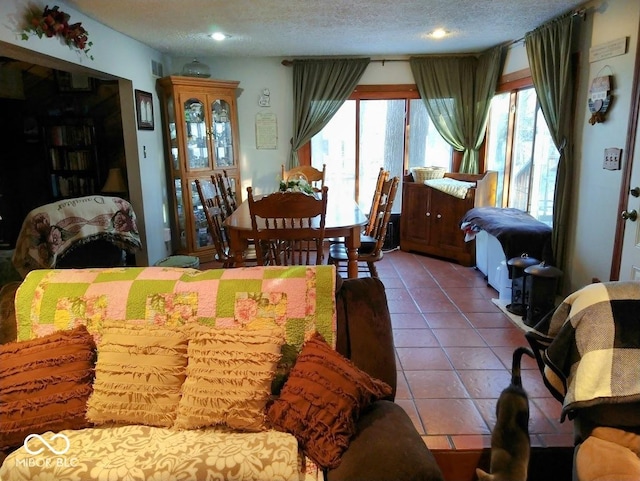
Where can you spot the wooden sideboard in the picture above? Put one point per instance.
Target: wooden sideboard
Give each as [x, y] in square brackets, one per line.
[430, 219]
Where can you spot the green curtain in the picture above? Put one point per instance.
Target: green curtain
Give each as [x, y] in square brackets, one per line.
[549, 53]
[457, 92]
[320, 87]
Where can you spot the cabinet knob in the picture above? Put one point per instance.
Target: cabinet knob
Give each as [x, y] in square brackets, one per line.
[428, 214]
[439, 216]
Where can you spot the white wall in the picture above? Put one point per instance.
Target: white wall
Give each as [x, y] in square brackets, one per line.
[115, 55]
[595, 196]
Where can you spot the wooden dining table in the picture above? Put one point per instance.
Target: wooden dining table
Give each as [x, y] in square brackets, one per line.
[344, 219]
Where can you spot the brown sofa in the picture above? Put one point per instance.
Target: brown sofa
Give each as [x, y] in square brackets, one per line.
[386, 445]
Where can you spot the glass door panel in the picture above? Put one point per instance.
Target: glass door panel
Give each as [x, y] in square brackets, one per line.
[202, 236]
[522, 160]
[182, 223]
[196, 135]
[427, 148]
[222, 134]
[545, 169]
[335, 146]
[173, 135]
[381, 144]
[497, 140]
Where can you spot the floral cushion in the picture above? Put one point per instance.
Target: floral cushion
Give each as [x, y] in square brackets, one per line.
[150, 453]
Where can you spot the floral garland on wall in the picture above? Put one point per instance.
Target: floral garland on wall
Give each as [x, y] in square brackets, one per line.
[53, 22]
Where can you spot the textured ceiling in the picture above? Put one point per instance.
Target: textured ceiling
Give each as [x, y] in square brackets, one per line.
[281, 28]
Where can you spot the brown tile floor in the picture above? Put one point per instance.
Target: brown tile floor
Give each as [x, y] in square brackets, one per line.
[453, 348]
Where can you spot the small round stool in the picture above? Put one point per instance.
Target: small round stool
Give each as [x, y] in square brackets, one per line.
[179, 261]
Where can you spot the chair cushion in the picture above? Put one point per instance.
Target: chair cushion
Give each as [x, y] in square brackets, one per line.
[609, 454]
[45, 384]
[322, 400]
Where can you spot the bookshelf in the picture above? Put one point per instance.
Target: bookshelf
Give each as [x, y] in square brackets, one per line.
[72, 159]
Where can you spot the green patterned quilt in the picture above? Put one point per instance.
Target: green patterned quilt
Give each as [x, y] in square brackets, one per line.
[302, 298]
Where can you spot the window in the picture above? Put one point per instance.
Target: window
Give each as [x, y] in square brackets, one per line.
[520, 148]
[377, 127]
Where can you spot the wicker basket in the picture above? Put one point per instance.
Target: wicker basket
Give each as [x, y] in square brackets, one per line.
[420, 174]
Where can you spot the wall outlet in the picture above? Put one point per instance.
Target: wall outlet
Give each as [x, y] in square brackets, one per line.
[612, 158]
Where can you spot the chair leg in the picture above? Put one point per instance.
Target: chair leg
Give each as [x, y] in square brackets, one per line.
[372, 269]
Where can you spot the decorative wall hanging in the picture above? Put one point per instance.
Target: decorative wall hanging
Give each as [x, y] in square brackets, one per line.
[53, 22]
[144, 110]
[599, 98]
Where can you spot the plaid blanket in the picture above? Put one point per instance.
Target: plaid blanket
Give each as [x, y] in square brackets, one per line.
[589, 348]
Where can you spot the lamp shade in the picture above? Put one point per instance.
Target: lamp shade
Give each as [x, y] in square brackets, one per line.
[115, 182]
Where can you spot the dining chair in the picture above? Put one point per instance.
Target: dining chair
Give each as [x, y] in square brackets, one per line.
[370, 250]
[309, 173]
[383, 175]
[289, 225]
[226, 191]
[214, 213]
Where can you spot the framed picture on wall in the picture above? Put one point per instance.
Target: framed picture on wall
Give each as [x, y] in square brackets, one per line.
[144, 110]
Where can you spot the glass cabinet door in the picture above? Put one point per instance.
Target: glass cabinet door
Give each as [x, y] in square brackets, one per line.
[173, 134]
[196, 135]
[201, 235]
[222, 133]
[182, 222]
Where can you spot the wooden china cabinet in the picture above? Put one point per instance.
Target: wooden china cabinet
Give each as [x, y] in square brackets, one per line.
[201, 134]
[430, 219]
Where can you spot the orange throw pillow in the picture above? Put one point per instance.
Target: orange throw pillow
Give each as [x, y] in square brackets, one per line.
[45, 384]
[322, 400]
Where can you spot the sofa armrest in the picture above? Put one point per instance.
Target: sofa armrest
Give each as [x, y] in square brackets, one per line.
[386, 447]
[364, 332]
[8, 324]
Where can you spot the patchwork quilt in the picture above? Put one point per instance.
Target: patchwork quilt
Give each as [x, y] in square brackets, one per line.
[301, 298]
[590, 346]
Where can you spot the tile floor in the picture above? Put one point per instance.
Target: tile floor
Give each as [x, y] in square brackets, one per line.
[454, 349]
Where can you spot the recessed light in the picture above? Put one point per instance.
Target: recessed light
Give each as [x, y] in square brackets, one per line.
[219, 36]
[439, 33]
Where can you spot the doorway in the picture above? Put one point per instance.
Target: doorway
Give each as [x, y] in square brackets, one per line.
[37, 101]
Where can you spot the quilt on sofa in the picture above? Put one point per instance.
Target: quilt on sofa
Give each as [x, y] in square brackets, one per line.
[144, 453]
[300, 298]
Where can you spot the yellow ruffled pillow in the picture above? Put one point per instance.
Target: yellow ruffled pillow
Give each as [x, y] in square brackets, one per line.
[139, 373]
[229, 377]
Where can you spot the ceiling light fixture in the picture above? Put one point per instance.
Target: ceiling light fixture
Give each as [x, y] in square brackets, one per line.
[439, 33]
[219, 36]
